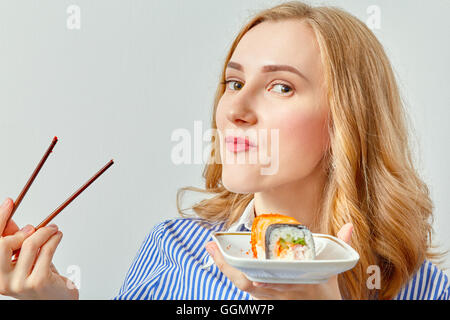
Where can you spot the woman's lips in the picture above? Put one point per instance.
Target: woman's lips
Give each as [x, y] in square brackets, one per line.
[238, 144]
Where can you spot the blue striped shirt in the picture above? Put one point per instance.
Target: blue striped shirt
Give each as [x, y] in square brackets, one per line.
[172, 263]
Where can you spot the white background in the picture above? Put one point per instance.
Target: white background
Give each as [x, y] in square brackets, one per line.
[135, 72]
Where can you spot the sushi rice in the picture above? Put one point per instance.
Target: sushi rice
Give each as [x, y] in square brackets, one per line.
[288, 242]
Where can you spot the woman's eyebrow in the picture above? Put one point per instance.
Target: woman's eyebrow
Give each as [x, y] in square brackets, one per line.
[269, 68]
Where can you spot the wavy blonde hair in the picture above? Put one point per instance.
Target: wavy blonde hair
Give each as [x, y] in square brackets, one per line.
[371, 181]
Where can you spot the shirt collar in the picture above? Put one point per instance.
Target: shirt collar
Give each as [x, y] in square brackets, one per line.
[246, 219]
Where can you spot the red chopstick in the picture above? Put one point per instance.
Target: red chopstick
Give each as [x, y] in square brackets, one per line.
[68, 201]
[31, 179]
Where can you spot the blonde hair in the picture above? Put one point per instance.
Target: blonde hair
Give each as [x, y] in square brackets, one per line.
[372, 181]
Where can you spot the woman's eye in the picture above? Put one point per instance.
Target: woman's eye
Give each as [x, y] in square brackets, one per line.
[284, 88]
[234, 84]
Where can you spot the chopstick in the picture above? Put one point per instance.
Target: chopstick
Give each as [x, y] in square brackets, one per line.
[67, 202]
[32, 177]
[74, 195]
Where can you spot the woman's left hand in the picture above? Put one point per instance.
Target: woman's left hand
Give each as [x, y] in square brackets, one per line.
[273, 291]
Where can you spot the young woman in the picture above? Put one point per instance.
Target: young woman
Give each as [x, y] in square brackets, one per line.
[320, 79]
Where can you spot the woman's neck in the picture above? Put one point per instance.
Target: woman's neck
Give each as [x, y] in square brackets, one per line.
[300, 199]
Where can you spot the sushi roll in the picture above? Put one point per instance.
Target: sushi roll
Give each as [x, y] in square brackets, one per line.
[279, 237]
[286, 241]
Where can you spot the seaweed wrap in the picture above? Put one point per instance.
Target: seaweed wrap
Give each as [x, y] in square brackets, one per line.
[279, 237]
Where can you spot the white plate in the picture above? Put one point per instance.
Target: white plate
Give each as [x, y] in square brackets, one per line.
[333, 256]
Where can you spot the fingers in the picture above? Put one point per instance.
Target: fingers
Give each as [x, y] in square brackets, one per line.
[237, 277]
[10, 243]
[283, 287]
[11, 228]
[276, 286]
[345, 234]
[5, 212]
[260, 290]
[44, 259]
[53, 268]
[29, 250]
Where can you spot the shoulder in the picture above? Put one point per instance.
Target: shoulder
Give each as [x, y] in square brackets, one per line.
[159, 252]
[182, 229]
[176, 225]
[428, 283]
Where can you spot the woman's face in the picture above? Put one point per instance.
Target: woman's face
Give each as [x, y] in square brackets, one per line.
[282, 111]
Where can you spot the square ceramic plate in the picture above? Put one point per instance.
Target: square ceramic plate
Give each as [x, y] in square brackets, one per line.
[333, 256]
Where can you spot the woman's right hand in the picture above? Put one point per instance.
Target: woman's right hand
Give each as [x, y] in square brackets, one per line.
[33, 275]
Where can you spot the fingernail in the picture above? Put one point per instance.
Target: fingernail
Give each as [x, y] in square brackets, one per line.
[5, 203]
[28, 228]
[259, 284]
[210, 250]
[54, 226]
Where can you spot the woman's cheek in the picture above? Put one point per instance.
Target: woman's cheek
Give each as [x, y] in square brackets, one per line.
[219, 117]
[302, 140]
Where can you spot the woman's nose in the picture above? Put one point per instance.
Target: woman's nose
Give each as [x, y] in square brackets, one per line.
[241, 117]
[241, 113]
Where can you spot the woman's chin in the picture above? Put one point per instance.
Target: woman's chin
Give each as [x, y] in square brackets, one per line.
[240, 183]
[240, 189]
